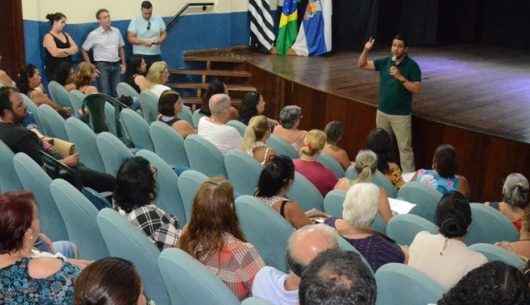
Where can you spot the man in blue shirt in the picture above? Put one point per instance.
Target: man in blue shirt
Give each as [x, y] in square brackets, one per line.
[146, 33]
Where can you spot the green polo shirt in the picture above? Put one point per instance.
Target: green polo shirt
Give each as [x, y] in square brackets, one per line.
[394, 98]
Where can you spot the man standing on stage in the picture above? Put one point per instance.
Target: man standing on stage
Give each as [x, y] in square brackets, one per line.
[400, 77]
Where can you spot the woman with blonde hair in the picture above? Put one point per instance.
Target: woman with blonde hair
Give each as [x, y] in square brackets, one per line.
[366, 167]
[214, 238]
[255, 139]
[155, 80]
[85, 77]
[308, 165]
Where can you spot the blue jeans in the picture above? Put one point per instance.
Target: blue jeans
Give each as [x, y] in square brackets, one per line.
[66, 248]
[109, 77]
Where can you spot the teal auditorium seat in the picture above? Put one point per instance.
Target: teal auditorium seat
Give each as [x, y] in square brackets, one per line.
[305, 193]
[243, 172]
[32, 108]
[32, 177]
[494, 253]
[79, 216]
[168, 193]
[255, 301]
[401, 284]
[489, 226]
[59, 94]
[330, 163]
[265, 228]
[125, 241]
[378, 179]
[403, 228]
[9, 181]
[149, 103]
[197, 115]
[77, 97]
[126, 90]
[204, 156]
[186, 114]
[425, 198]
[189, 183]
[137, 129]
[281, 147]
[190, 282]
[113, 152]
[52, 122]
[239, 126]
[169, 144]
[84, 139]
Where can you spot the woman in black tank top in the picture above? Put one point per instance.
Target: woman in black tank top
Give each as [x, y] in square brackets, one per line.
[58, 45]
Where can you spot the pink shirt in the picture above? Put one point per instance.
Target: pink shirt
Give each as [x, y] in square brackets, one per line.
[323, 178]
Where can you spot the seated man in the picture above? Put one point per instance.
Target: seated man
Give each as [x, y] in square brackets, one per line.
[214, 128]
[20, 139]
[337, 277]
[304, 245]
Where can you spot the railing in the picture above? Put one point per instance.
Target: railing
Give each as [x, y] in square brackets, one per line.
[184, 8]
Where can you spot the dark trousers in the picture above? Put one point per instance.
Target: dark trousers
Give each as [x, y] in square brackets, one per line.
[150, 59]
[109, 77]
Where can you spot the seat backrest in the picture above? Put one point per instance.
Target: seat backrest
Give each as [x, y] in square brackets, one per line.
[243, 172]
[110, 118]
[190, 282]
[204, 156]
[84, 139]
[265, 228]
[494, 253]
[168, 194]
[168, 144]
[186, 114]
[401, 284]
[281, 147]
[52, 122]
[77, 97]
[32, 108]
[79, 216]
[189, 183]
[113, 152]
[238, 125]
[197, 115]
[8, 177]
[125, 89]
[489, 226]
[351, 172]
[425, 198]
[383, 182]
[128, 242]
[59, 94]
[149, 103]
[403, 228]
[96, 107]
[330, 163]
[333, 205]
[255, 301]
[137, 129]
[305, 193]
[32, 177]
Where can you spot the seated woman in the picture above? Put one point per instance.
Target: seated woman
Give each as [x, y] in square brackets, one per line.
[380, 142]
[274, 183]
[65, 75]
[359, 210]
[444, 257]
[214, 238]
[25, 279]
[216, 87]
[491, 284]
[85, 77]
[156, 79]
[5, 79]
[443, 176]
[135, 196]
[308, 165]
[334, 131]
[136, 67]
[255, 139]
[251, 106]
[515, 199]
[287, 130]
[169, 106]
[30, 83]
[365, 166]
[110, 280]
[522, 246]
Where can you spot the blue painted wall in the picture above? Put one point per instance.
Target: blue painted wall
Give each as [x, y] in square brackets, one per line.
[191, 32]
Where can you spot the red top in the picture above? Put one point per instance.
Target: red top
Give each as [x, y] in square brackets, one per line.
[321, 177]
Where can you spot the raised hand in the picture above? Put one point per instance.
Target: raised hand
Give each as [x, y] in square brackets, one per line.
[369, 44]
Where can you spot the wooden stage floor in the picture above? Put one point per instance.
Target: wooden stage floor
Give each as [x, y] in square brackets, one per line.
[480, 89]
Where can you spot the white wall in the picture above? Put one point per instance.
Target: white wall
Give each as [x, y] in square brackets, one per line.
[83, 11]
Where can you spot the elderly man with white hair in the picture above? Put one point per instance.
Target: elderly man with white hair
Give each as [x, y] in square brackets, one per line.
[303, 246]
[214, 128]
[359, 210]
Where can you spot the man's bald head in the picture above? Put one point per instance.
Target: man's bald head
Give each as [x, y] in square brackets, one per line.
[306, 243]
[219, 104]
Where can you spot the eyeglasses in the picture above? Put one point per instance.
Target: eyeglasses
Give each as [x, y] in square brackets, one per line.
[148, 25]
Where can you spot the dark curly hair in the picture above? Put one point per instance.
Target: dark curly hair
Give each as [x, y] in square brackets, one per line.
[453, 215]
[381, 143]
[248, 107]
[494, 283]
[135, 184]
[27, 72]
[445, 161]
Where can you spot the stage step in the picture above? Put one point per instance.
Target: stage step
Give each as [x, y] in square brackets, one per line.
[219, 73]
[230, 87]
[210, 59]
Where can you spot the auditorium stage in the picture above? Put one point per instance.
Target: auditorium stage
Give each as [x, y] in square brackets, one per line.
[475, 98]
